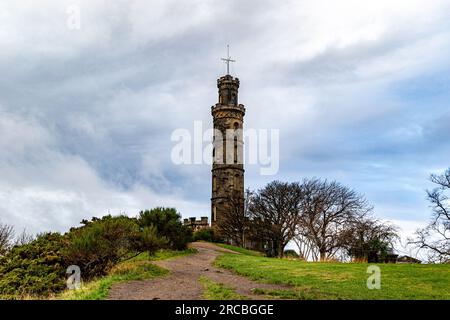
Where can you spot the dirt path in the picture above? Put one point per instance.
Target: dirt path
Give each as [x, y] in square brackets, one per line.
[183, 281]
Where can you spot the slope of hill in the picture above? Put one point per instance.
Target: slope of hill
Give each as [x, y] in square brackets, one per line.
[341, 280]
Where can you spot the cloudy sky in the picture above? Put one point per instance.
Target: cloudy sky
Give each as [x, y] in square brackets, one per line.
[360, 91]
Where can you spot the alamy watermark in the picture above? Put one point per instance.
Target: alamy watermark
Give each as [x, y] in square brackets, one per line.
[374, 280]
[74, 279]
[231, 146]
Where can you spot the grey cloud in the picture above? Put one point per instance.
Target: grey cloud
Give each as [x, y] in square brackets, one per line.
[93, 109]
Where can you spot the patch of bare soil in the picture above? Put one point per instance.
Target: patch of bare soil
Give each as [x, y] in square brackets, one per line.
[183, 281]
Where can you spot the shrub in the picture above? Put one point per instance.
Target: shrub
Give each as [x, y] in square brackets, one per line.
[204, 235]
[33, 269]
[38, 267]
[102, 243]
[168, 224]
[151, 242]
[291, 254]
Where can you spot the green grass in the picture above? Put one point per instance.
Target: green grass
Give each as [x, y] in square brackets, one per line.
[218, 291]
[138, 268]
[240, 250]
[315, 280]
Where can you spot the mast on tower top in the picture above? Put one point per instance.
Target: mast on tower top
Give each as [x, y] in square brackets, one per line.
[228, 59]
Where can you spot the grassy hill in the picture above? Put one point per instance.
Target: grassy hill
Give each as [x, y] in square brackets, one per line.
[240, 250]
[341, 280]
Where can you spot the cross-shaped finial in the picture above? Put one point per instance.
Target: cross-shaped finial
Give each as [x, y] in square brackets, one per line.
[228, 59]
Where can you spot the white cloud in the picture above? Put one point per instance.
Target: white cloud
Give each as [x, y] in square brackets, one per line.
[44, 189]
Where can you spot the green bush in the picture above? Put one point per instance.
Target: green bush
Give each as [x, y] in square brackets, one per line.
[101, 243]
[38, 268]
[34, 269]
[168, 225]
[204, 235]
[151, 242]
[291, 254]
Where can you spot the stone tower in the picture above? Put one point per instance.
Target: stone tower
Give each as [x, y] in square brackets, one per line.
[228, 167]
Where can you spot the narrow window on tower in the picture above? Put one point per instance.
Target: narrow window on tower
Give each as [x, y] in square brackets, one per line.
[235, 150]
[225, 151]
[214, 148]
[214, 183]
[214, 213]
[236, 127]
[233, 98]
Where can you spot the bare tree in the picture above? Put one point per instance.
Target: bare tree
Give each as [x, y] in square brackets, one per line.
[307, 250]
[274, 211]
[326, 210]
[435, 238]
[369, 240]
[23, 238]
[6, 236]
[234, 223]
